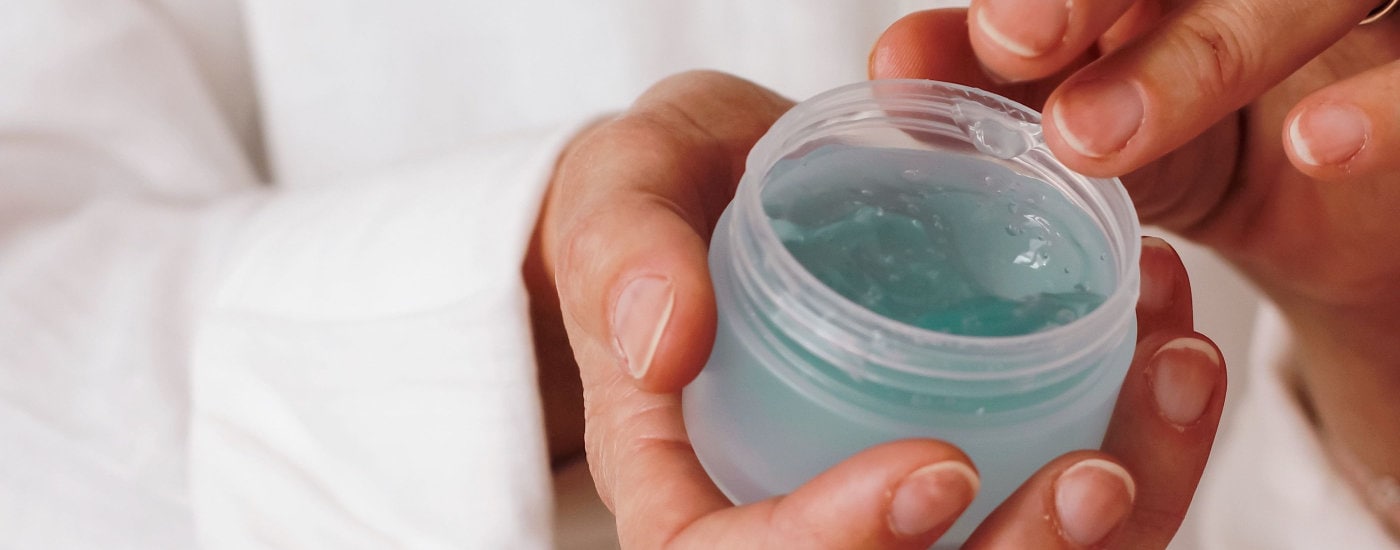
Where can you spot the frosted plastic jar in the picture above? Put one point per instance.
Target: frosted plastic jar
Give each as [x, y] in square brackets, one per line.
[801, 378]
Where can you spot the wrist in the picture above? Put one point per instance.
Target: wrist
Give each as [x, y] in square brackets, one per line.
[1348, 362]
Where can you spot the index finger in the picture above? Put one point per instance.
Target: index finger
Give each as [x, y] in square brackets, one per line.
[1202, 62]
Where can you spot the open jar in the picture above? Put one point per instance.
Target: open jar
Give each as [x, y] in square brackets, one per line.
[907, 259]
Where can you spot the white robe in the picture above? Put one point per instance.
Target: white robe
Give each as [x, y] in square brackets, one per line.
[259, 259]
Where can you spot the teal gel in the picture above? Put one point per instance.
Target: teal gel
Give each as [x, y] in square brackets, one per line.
[905, 259]
[901, 233]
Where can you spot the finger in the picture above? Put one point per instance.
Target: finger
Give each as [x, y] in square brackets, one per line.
[1164, 303]
[904, 494]
[1163, 428]
[935, 45]
[1202, 62]
[630, 215]
[1162, 431]
[1079, 500]
[642, 463]
[1349, 130]
[931, 44]
[1021, 40]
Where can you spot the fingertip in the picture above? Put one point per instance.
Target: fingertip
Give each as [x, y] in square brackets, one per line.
[686, 346]
[1198, 345]
[663, 325]
[1078, 500]
[1095, 124]
[1020, 40]
[929, 500]
[935, 45]
[1027, 29]
[906, 493]
[929, 44]
[1344, 131]
[1186, 376]
[895, 52]
[1164, 277]
[1327, 139]
[641, 313]
[1093, 497]
[1164, 301]
[1023, 40]
[1152, 244]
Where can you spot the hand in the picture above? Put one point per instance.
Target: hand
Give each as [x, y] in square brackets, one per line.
[635, 199]
[1269, 131]
[1143, 83]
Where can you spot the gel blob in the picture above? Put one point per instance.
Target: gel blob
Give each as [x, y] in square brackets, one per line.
[907, 259]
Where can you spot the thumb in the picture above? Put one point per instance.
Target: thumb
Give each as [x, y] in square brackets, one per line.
[626, 227]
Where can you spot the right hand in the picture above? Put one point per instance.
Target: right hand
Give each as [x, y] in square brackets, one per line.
[624, 235]
[1269, 132]
[1230, 90]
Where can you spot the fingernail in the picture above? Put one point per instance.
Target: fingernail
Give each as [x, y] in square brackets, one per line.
[1098, 117]
[1027, 28]
[1329, 134]
[1156, 292]
[1091, 499]
[932, 497]
[1185, 372]
[639, 318]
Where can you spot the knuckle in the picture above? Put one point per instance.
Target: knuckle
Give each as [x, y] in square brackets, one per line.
[714, 106]
[578, 268]
[1216, 49]
[652, 139]
[610, 428]
[640, 133]
[684, 83]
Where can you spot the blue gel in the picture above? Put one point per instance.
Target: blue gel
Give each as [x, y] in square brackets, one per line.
[906, 235]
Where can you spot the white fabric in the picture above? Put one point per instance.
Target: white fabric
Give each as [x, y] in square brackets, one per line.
[306, 328]
[336, 361]
[259, 259]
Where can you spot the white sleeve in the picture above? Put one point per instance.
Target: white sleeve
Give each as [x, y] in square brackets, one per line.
[187, 355]
[364, 377]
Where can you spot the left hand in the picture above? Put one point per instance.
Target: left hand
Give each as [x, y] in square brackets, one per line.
[635, 199]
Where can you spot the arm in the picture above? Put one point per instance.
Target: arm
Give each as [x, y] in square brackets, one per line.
[342, 365]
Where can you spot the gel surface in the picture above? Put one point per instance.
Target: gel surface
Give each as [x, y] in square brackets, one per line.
[938, 240]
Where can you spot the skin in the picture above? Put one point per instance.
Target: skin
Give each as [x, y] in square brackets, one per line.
[1221, 157]
[637, 196]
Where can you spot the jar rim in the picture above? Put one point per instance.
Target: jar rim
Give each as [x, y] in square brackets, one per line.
[893, 347]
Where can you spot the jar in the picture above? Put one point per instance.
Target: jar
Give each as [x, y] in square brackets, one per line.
[802, 377]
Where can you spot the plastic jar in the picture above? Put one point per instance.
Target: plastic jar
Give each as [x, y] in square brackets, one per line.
[801, 377]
